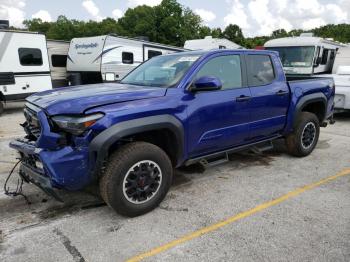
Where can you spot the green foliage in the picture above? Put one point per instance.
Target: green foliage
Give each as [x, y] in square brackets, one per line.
[168, 23]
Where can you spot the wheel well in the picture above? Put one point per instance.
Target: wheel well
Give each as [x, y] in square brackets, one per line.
[317, 108]
[163, 138]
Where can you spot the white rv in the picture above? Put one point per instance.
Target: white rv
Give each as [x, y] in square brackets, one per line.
[57, 52]
[209, 43]
[24, 65]
[108, 57]
[341, 76]
[305, 54]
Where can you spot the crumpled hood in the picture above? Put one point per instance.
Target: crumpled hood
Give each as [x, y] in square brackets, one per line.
[77, 99]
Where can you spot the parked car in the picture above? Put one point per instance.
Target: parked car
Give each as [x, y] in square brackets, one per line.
[171, 111]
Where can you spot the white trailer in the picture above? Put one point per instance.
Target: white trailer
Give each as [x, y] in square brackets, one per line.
[341, 76]
[209, 43]
[57, 52]
[24, 65]
[305, 54]
[109, 58]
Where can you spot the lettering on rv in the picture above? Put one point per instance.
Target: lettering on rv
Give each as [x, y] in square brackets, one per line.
[86, 46]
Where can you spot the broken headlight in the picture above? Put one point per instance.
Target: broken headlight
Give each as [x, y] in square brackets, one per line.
[76, 125]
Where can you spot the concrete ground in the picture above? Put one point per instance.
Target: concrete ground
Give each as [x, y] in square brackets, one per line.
[312, 224]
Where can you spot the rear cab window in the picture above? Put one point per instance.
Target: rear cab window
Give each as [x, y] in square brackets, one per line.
[260, 70]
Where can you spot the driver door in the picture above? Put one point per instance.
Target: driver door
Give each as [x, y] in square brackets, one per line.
[219, 119]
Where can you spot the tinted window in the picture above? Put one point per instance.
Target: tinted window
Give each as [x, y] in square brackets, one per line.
[260, 70]
[127, 58]
[226, 68]
[153, 53]
[30, 56]
[324, 57]
[59, 60]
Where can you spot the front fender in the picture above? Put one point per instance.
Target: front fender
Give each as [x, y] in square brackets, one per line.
[100, 145]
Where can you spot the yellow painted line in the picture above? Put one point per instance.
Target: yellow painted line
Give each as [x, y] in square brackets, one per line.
[235, 218]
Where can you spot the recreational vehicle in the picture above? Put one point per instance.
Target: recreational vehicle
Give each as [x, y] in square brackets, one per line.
[341, 76]
[305, 54]
[109, 58]
[209, 43]
[24, 65]
[57, 52]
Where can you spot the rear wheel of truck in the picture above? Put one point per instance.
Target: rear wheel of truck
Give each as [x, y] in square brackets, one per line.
[304, 138]
[137, 178]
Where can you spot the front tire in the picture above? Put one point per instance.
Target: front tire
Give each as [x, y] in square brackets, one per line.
[137, 178]
[305, 136]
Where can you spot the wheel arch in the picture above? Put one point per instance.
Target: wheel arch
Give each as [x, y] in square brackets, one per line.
[138, 129]
[314, 103]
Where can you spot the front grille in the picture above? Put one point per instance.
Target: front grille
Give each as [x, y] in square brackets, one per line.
[32, 124]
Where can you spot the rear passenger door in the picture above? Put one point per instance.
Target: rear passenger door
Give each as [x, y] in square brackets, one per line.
[270, 96]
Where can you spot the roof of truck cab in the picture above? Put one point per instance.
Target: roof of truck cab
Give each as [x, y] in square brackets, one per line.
[218, 51]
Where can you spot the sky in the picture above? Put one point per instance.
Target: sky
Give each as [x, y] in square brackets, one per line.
[255, 17]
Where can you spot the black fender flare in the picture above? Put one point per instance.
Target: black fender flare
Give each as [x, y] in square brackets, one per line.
[99, 146]
[308, 99]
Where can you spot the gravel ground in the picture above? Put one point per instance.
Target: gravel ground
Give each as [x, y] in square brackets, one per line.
[312, 226]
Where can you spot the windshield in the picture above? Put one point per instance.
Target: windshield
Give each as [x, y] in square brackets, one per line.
[297, 56]
[161, 71]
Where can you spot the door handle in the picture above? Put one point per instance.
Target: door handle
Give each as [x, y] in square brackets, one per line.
[242, 98]
[281, 93]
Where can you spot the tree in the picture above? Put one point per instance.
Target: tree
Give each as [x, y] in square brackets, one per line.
[279, 33]
[234, 34]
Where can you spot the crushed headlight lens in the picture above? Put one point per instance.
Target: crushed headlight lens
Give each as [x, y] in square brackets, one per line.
[74, 124]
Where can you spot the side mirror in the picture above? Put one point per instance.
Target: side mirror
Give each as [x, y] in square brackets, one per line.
[206, 83]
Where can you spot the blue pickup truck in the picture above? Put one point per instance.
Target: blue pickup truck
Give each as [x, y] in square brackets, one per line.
[171, 111]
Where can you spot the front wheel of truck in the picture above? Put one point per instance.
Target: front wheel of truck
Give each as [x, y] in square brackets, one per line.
[137, 178]
[304, 138]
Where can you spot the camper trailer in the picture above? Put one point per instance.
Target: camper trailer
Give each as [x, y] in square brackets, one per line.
[341, 76]
[24, 65]
[57, 53]
[305, 54]
[209, 43]
[109, 58]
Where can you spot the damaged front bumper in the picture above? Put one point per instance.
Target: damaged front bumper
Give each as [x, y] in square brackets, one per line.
[65, 168]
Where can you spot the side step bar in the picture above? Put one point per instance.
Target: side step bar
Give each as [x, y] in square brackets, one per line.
[222, 156]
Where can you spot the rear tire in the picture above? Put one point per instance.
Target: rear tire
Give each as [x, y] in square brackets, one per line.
[305, 136]
[137, 178]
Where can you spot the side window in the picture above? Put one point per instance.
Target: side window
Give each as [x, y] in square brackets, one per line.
[222, 47]
[59, 60]
[226, 68]
[30, 56]
[260, 70]
[127, 58]
[153, 53]
[324, 57]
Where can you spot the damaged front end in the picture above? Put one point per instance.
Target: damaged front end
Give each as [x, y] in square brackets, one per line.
[49, 158]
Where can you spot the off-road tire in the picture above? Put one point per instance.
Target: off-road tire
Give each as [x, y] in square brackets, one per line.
[118, 165]
[294, 141]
